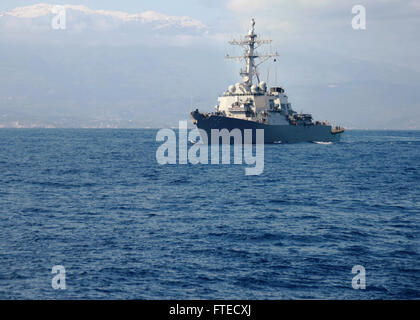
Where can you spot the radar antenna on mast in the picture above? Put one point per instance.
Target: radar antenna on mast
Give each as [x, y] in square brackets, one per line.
[250, 44]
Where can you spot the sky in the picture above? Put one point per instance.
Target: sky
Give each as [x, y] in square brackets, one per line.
[106, 70]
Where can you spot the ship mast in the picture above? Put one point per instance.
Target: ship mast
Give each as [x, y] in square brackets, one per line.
[250, 44]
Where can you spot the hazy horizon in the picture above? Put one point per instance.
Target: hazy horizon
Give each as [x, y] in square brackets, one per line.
[146, 65]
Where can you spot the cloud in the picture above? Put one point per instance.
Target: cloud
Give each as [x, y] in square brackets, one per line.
[415, 4]
[167, 21]
[33, 24]
[249, 6]
[161, 20]
[242, 6]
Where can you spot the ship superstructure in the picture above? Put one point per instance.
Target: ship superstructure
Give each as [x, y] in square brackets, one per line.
[252, 105]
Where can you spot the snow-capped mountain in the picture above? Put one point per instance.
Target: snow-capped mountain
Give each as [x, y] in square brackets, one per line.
[147, 17]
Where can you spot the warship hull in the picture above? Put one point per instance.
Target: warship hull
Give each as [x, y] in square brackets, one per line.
[272, 133]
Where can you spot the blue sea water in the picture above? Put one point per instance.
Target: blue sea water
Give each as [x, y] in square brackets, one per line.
[125, 227]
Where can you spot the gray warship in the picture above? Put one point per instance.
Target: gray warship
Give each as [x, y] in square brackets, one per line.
[252, 106]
